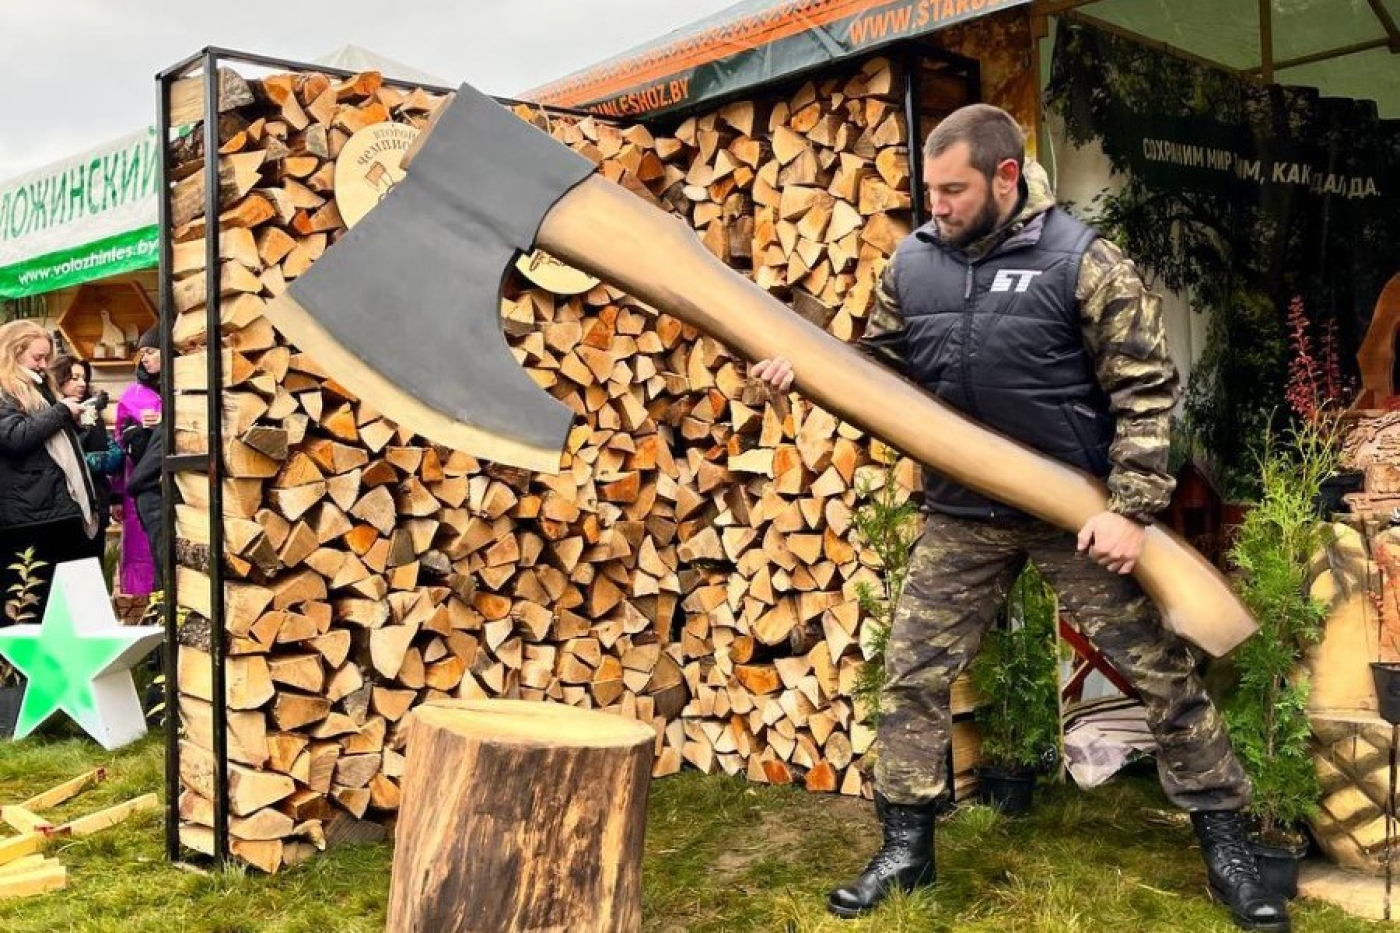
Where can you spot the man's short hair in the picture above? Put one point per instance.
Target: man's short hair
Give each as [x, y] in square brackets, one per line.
[992, 135]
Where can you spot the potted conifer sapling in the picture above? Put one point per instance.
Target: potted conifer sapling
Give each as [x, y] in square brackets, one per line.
[1016, 678]
[1267, 710]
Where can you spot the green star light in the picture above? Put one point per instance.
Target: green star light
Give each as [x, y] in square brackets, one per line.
[79, 659]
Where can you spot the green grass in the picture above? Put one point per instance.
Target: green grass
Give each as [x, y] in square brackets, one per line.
[722, 855]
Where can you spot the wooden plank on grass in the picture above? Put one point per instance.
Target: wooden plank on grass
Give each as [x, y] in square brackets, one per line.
[65, 791]
[23, 820]
[19, 846]
[96, 822]
[49, 877]
[27, 863]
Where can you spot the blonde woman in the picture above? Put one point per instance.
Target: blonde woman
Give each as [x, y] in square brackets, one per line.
[46, 499]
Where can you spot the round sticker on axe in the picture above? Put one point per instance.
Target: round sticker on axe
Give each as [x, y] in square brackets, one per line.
[368, 167]
[553, 275]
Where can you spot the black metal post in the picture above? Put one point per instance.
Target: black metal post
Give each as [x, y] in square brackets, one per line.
[181, 68]
[166, 558]
[213, 398]
[1390, 818]
[913, 112]
[1266, 41]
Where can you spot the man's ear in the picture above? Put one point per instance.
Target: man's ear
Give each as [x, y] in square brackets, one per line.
[1007, 177]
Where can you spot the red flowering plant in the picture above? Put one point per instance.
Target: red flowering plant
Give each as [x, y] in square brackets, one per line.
[1316, 389]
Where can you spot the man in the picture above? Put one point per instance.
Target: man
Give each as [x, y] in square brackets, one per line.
[1020, 316]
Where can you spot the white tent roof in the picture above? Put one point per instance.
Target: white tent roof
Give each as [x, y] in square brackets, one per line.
[355, 58]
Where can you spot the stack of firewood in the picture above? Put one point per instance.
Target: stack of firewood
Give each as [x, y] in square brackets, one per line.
[693, 565]
[810, 194]
[810, 191]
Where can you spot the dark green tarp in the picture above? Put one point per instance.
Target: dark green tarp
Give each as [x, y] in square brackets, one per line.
[750, 44]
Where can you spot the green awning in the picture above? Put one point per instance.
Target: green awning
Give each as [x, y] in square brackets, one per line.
[1344, 48]
[85, 218]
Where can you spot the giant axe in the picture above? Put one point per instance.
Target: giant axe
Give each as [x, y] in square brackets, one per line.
[404, 310]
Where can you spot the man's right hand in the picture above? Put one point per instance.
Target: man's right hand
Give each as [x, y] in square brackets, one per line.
[776, 372]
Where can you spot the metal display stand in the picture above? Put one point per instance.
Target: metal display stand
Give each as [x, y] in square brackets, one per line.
[206, 65]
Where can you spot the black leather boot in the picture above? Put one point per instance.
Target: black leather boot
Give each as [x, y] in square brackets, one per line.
[905, 860]
[1233, 874]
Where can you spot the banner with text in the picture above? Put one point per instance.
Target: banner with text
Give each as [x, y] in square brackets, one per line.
[1206, 154]
[750, 44]
[85, 218]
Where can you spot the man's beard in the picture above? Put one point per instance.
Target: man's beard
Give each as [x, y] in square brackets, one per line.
[983, 223]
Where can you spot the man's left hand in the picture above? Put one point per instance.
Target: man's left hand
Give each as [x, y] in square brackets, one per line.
[1113, 540]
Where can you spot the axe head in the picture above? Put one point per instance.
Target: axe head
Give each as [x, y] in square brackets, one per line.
[404, 310]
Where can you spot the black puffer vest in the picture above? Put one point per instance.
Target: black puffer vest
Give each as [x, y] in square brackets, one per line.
[999, 338]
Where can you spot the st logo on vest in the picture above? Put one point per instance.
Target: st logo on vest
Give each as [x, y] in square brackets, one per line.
[1013, 280]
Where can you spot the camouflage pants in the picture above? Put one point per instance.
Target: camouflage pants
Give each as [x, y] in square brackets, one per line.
[959, 576]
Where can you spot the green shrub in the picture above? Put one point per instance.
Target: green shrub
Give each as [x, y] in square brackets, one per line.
[1016, 675]
[1266, 711]
[887, 521]
[21, 604]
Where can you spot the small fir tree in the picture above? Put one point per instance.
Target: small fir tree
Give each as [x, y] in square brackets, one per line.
[1017, 677]
[1266, 713]
[887, 521]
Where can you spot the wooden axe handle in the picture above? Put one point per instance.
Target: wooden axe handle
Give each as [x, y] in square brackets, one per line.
[609, 232]
[421, 139]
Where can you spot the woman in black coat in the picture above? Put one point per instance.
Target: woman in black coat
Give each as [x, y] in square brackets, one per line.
[46, 498]
[73, 378]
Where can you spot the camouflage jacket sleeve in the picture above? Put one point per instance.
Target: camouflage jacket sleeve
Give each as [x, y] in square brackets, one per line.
[1126, 336]
[885, 332]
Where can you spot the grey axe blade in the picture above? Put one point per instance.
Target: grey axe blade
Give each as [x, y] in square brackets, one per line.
[405, 311]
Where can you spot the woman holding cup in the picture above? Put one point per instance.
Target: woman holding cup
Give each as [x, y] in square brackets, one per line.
[46, 498]
[138, 413]
[73, 378]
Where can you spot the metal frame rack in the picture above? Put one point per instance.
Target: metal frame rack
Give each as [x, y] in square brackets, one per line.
[205, 64]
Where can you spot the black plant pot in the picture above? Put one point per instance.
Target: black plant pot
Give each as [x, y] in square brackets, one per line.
[1387, 677]
[10, 699]
[1278, 866]
[1011, 792]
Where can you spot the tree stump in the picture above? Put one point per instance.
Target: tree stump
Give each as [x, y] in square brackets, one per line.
[520, 816]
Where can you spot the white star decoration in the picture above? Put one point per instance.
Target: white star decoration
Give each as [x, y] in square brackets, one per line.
[79, 659]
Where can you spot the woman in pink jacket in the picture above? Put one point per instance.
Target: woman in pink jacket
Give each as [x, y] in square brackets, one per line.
[139, 407]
